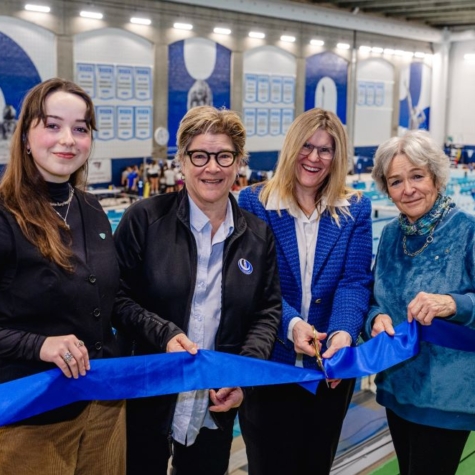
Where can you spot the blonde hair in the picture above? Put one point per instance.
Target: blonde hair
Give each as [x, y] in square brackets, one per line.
[23, 189]
[209, 120]
[283, 182]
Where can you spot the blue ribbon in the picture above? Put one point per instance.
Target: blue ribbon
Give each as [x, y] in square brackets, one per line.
[153, 375]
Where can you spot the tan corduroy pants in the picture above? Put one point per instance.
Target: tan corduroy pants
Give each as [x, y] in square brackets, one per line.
[93, 443]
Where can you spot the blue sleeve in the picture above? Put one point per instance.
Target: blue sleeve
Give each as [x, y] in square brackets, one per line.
[249, 200]
[352, 295]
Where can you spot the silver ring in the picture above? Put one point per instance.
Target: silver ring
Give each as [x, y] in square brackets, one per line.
[80, 343]
[68, 357]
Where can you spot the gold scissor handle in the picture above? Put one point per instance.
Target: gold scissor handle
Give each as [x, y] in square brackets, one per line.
[318, 355]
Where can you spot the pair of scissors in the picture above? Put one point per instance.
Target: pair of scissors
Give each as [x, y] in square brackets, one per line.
[318, 356]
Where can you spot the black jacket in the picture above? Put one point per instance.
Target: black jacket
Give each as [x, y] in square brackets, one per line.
[158, 259]
[39, 299]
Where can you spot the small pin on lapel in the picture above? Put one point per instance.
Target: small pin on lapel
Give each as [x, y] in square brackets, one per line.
[102, 235]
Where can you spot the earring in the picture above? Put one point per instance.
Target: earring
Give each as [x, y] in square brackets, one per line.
[28, 151]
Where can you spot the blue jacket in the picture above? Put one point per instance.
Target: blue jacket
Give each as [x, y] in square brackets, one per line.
[436, 387]
[341, 272]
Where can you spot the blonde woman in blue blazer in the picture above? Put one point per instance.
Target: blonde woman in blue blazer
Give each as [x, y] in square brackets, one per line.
[324, 244]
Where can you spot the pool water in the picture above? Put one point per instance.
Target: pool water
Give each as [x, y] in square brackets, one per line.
[378, 225]
[115, 216]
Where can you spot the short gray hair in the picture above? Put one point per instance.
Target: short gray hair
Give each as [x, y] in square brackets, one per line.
[420, 149]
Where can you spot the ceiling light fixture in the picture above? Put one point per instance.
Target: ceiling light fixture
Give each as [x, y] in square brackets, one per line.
[140, 21]
[256, 34]
[183, 26]
[93, 15]
[222, 31]
[317, 42]
[37, 8]
[343, 46]
[287, 38]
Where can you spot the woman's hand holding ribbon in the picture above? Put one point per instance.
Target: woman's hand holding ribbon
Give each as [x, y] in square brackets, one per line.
[68, 353]
[382, 323]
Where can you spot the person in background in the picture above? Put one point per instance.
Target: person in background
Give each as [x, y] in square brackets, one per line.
[179, 179]
[58, 277]
[424, 270]
[214, 287]
[123, 177]
[324, 247]
[152, 174]
[244, 172]
[162, 181]
[170, 179]
[132, 179]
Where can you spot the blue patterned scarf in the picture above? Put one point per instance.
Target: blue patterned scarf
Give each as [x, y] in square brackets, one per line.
[425, 224]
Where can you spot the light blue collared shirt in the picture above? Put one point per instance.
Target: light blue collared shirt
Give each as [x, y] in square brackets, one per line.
[191, 412]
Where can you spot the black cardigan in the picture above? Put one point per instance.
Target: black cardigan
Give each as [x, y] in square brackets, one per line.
[39, 299]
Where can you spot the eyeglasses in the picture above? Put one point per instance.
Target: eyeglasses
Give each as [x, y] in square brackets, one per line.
[200, 158]
[325, 153]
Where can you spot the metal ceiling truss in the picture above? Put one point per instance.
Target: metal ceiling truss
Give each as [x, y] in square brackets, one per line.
[453, 15]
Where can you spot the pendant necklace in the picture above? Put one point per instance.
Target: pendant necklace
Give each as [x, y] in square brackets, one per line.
[64, 203]
[429, 239]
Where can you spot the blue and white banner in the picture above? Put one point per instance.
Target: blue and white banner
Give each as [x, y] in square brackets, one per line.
[263, 88]
[123, 63]
[287, 119]
[288, 92]
[262, 122]
[414, 98]
[125, 123]
[275, 122]
[276, 85]
[379, 94]
[326, 83]
[105, 117]
[18, 74]
[143, 123]
[105, 81]
[250, 88]
[250, 121]
[143, 83]
[86, 78]
[199, 73]
[125, 83]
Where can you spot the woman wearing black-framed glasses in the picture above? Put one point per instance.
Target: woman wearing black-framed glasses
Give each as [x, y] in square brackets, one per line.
[185, 259]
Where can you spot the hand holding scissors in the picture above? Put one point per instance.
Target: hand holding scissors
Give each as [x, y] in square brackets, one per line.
[318, 355]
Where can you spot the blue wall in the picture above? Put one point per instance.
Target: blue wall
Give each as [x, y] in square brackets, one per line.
[263, 160]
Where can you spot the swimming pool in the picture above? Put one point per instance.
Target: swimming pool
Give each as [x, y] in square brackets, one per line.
[114, 216]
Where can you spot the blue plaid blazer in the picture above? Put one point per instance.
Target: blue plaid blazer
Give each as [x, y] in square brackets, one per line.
[341, 281]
